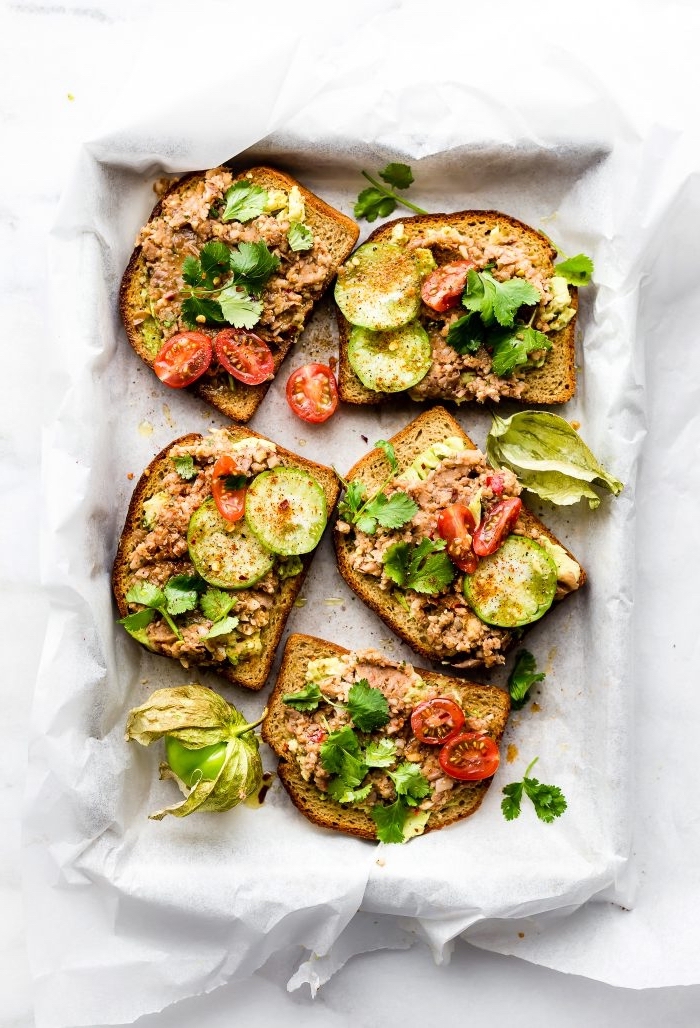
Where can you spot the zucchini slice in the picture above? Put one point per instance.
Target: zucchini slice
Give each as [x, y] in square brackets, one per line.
[514, 586]
[286, 509]
[226, 554]
[378, 287]
[391, 361]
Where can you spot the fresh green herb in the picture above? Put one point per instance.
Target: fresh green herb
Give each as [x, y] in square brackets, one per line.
[185, 466]
[233, 482]
[182, 592]
[342, 793]
[388, 511]
[353, 499]
[390, 820]
[135, 622]
[149, 595]
[577, 270]
[196, 307]
[300, 237]
[307, 698]
[379, 201]
[238, 308]
[467, 334]
[548, 800]
[222, 627]
[548, 457]
[512, 347]
[424, 568]
[380, 754]
[252, 265]
[497, 301]
[389, 452]
[522, 678]
[212, 264]
[367, 706]
[244, 202]
[216, 604]
[410, 783]
[341, 755]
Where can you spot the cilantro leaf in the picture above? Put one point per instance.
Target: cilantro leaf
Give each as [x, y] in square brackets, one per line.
[367, 706]
[233, 482]
[512, 348]
[185, 466]
[342, 793]
[244, 202]
[182, 592]
[373, 203]
[216, 603]
[548, 800]
[510, 805]
[577, 270]
[389, 512]
[389, 452]
[497, 301]
[194, 307]
[466, 334]
[522, 678]
[149, 595]
[381, 753]
[410, 782]
[238, 308]
[300, 237]
[390, 820]
[398, 175]
[139, 620]
[192, 272]
[424, 568]
[340, 754]
[307, 698]
[351, 502]
[252, 264]
[222, 627]
[214, 258]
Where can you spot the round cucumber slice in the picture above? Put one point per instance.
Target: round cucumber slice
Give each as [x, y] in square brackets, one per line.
[226, 554]
[514, 586]
[286, 509]
[392, 361]
[379, 286]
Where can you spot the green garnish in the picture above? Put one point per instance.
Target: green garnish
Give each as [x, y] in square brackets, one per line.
[238, 308]
[410, 783]
[387, 511]
[512, 347]
[424, 568]
[212, 264]
[180, 595]
[223, 627]
[367, 706]
[252, 265]
[244, 202]
[341, 755]
[221, 285]
[196, 307]
[522, 678]
[342, 793]
[389, 452]
[497, 302]
[467, 334]
[307, 698]
[300, 237]
[216, 603]
[390, 820]
[577, 270]
[380, 754]
[548, 800]
[182, 592]
[378, 201]
[185, 466]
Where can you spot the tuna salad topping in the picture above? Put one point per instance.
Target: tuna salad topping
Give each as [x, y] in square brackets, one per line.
[353, 732]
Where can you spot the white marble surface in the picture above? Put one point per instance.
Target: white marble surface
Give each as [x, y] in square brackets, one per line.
[59, 65]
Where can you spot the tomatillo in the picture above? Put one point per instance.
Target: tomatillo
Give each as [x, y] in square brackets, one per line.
[186, 763]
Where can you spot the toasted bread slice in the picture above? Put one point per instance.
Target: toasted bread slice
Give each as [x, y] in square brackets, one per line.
[252, 672]
[428, 428]
[481, 701]
[236, 400]
[555, 381]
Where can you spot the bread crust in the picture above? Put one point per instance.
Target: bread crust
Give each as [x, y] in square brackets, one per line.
[253, 672]
[238, 402]
[553, 383]
[326, 813]
[412, 440]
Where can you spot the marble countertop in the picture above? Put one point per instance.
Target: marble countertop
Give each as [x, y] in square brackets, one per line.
[59, 63]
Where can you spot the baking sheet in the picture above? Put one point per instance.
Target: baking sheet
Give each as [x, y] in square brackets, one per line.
[90, 793]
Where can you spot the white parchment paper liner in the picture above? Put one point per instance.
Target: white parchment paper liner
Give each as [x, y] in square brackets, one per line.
[162, 911]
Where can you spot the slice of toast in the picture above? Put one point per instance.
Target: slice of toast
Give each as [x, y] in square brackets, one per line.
[481, 701]
[428, 428]
[554, 382]
[236, 400]
[252, 672]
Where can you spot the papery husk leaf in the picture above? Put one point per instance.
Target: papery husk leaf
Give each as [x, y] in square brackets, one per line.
[197, 716]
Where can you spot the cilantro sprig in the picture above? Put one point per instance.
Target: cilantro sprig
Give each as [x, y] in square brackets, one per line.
[179, 595]
[548, 800]
[379, 201]
[425, 568]
[244, 201]
[378, 509]
[576, 270]
[184, 466]
[222, 285]
[522, 678]
[367, 706]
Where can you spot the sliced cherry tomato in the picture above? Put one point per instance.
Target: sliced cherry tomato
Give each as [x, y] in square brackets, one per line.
[469, 757]
[496, 525]
[312, 393]
[435, 721]
[229, 498]
[443, 288]
[244, 355]
[456, 525]
[183, 359]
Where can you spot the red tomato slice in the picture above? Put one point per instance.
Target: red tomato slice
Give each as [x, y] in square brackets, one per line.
[496, 525]
[183, 359]
[469, 757]
[443, 288]
[456, 525]
[435, 721]
[312, 393]
[230, 502]
[244, 355]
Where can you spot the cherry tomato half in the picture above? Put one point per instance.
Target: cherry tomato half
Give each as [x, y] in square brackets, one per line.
[456, 526]
[244, 355]
[183, 359]
[469, 757]
[435, 721]
[443, 288]
[312, 393]
[230, 501]
[496, 525]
